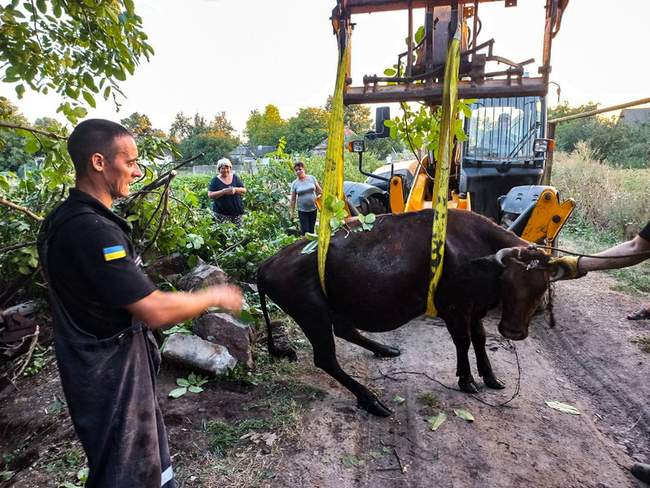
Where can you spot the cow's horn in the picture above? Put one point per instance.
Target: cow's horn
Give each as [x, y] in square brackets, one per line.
[503, 254]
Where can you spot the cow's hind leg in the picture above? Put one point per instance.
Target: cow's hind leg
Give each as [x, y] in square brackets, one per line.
[345, 330]
[482, 360]
[318, 330]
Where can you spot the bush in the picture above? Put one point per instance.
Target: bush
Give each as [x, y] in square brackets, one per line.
[608, 199]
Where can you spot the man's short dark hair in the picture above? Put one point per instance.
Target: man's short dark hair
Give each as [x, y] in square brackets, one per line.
[93, 136]
[298, 164]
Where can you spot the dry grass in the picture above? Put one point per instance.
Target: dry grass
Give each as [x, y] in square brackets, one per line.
[608, 199]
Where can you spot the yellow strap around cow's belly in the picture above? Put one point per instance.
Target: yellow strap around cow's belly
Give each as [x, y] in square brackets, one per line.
[333, 178]
[441, 182]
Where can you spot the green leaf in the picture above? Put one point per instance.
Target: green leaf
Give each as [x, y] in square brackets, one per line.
[178, 392]
[20, 90]
[40, 4]
[310, 247]
[32, 146]
[195, 389]
[419, 34]
[370, 218]
[390, 72]
[182, 382]
[563, 407]
[464, 414]
[437, 420]
[398, 399]
[89, 99]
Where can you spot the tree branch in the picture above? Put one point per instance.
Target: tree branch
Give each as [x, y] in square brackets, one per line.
[16, 246]
[51, 135]
[24, 210]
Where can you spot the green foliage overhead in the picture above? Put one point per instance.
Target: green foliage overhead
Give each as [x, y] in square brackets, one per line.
[79, 50]
[264, 129]
[12, 145]
[307, 129]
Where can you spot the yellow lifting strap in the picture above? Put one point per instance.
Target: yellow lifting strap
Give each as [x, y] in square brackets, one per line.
[333, 178]
[441, 181]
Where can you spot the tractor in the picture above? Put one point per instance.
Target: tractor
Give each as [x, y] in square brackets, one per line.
[498, 169]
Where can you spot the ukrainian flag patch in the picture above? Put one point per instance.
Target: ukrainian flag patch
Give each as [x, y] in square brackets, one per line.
[114, 252]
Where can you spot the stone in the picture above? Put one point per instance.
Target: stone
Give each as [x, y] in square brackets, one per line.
[223, 329]
[197, 354]
[202, 276]
[167, 266]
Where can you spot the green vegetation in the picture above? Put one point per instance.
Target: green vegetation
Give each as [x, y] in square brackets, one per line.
[612, 206]
[617, 144]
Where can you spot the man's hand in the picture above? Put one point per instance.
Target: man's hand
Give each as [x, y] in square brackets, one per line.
[228, 297]
[566, 268]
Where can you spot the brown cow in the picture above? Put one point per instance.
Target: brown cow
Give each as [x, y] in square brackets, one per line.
[377, 281]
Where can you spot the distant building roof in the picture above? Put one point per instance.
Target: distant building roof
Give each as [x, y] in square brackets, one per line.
[322, 147]
[635, 116]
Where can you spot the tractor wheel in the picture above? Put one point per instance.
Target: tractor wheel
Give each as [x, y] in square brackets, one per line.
[372, 204]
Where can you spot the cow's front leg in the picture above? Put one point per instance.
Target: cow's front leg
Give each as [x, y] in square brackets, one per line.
[459, 330]
[482, 360]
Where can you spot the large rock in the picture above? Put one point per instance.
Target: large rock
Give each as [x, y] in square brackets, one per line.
[223, 329]
[198, 354]
[201, 276]
[166, 266]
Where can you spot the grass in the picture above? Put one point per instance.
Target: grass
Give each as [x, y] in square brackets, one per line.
[611, 207]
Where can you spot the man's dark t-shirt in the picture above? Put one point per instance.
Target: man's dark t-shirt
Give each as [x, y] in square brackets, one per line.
[645, 232]
[227, 204]
[92, 265]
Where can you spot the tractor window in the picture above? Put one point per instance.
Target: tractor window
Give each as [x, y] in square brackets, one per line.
[502, 130]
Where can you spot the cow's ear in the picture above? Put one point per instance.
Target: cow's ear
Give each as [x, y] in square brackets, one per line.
[487, 264]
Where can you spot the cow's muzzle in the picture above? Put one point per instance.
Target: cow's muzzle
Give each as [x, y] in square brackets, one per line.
[512, 333]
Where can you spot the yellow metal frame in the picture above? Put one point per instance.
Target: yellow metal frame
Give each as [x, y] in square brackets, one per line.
[548, 217]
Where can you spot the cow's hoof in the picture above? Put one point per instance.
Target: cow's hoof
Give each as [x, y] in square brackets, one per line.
[387, 352]
[375, 407]
[468, 385]
[493, 382]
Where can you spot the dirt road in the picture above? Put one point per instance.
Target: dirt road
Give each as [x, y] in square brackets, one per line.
[588, 360]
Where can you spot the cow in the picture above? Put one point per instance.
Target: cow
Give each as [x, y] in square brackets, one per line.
[377, 281]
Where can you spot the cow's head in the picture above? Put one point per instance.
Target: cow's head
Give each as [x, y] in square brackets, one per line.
[524, 280]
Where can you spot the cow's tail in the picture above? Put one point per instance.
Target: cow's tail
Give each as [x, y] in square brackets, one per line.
[277, 341]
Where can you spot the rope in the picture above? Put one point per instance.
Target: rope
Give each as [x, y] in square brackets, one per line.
[565, 251]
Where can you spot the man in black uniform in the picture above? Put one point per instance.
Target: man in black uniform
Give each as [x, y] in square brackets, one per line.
[633, 250]
[104, 307]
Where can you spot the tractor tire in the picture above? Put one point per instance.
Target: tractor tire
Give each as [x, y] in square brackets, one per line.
[374, 205]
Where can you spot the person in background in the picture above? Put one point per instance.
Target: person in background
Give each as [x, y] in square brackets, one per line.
[622, 255]
[225, 191]
[104, 308]
[304, 192]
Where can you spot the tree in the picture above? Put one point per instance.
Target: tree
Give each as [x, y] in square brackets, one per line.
[12, 145]
[181, 127]
[355, 117]
[307, 129]
[221, 125]
[265, 129]
[76, 49]
[214, 145]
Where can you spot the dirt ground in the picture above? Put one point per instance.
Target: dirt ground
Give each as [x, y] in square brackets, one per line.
[592, 360]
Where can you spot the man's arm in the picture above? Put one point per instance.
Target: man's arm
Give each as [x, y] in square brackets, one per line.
[609, 259]
[159, 308]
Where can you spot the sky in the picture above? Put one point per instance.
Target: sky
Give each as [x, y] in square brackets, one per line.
[240, 55]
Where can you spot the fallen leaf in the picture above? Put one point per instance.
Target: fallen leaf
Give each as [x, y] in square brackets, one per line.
[464, 414]
[437, 420]
[398, 399]
[564, 407]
